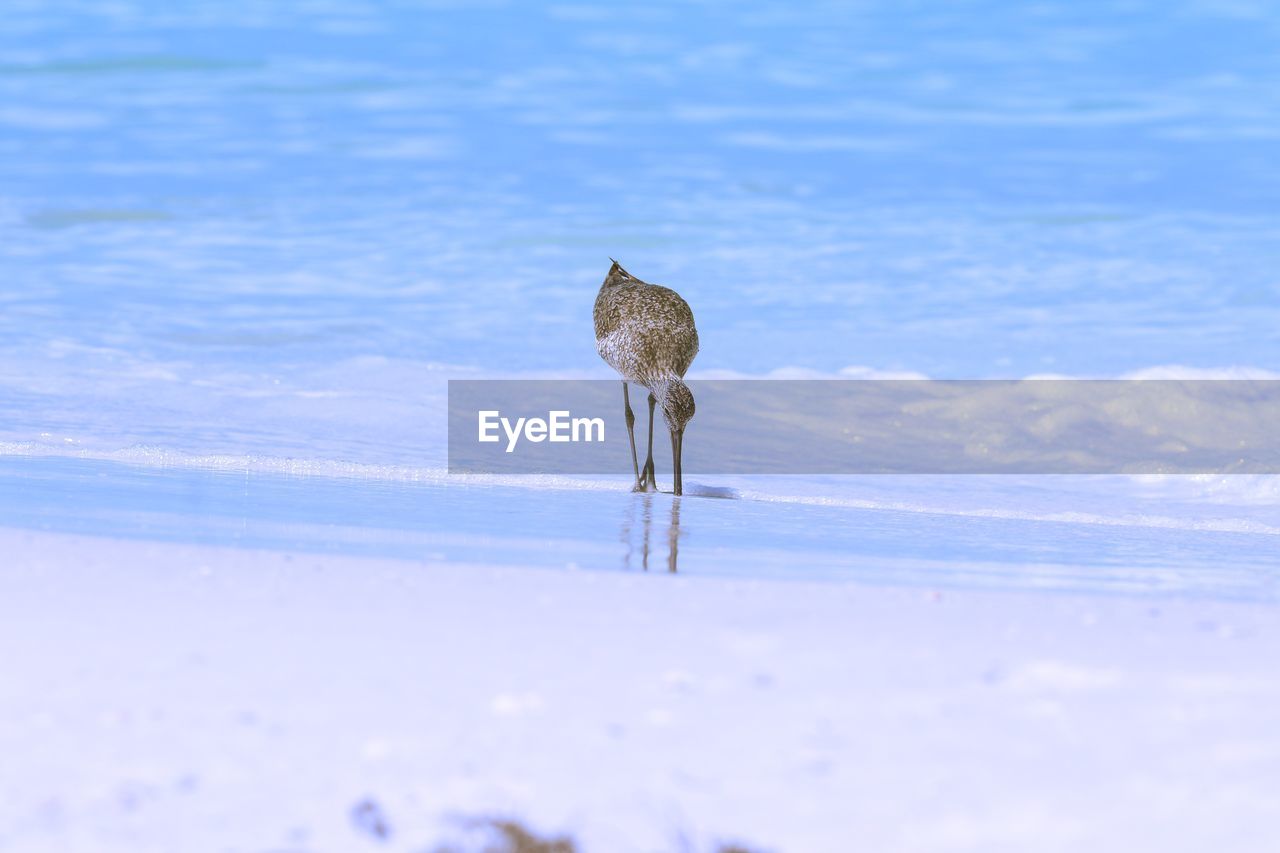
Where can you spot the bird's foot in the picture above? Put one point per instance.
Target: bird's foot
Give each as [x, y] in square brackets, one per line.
[648, 481]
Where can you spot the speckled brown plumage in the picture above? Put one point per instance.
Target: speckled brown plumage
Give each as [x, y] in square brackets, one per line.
[646, 333]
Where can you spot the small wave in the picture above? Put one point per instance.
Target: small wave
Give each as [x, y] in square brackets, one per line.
[160, 457]
[1218, 525]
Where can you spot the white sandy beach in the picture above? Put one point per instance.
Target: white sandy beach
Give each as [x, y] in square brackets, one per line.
[175, 697]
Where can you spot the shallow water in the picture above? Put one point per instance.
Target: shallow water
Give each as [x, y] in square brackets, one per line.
[599, 525]
[272, 232]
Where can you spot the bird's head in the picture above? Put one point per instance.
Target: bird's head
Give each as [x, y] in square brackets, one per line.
[676, 401]
[617, 275]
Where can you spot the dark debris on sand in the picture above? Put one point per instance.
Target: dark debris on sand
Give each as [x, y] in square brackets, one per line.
[496, 834]
[504, 835]
[368, 817]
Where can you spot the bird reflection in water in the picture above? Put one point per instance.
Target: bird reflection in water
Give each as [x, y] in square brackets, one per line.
[643, 504]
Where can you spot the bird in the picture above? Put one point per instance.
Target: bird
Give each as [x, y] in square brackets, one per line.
[646, 333]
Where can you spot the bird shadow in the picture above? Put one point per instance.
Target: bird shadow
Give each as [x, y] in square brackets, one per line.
[700, 490]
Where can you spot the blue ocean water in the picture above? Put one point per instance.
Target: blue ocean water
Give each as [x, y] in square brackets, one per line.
[272, 231]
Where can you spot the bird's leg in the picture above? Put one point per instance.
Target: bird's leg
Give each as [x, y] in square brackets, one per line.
[677, 439]
[631, 435]
[649, 479]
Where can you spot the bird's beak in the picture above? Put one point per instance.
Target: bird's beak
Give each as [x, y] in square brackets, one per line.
[677, 439]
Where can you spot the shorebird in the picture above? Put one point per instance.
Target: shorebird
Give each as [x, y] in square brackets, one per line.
[646, 333]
